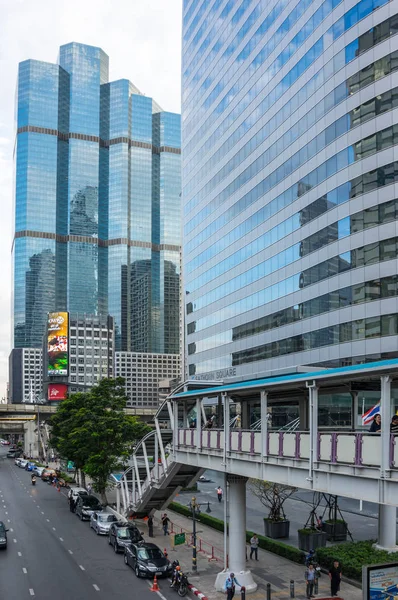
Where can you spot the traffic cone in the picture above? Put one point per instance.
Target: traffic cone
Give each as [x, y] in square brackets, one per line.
[155, 587]
[59, 488]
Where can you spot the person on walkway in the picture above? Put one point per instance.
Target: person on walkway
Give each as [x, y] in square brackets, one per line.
[335, 578]
[310, 575]
[376, 424]
[165, 524]
[89, 488]
[219, 493]
[209, 423]
[394, 424]
[150, 526]
[229, 586]
[254, 546]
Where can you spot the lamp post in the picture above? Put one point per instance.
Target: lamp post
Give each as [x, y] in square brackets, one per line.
[195, 509]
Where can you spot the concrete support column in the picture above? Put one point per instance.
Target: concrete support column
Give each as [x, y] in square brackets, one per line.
[264, 423]
[387, 538]
[118, 500]
[226, 426]
[245, 415]
[237, 536]
[385, 409]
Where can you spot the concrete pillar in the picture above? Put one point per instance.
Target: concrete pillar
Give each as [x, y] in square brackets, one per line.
[313, 423]
[237, 536]
[387, 537]
[264, 423]
[198, 423]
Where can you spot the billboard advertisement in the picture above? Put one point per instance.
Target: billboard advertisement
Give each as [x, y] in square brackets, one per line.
[57, 343]
[57, 391]
[380, 582]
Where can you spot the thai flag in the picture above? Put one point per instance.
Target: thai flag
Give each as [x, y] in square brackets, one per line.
[368, 416]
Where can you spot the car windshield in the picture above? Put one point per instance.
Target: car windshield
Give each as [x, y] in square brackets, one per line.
[90, 501]
[2, 529]
[106, 518]
[149, 553]
[123, 533]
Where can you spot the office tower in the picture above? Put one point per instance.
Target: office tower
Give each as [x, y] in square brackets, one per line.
[289, 184]
[97, 203]
[25, 375]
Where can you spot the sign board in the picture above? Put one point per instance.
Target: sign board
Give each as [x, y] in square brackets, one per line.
[179, 538]
[57, 391]
[57, 343]
[380, 582]
[71, 465]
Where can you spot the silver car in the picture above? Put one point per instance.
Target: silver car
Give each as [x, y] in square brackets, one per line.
[101, 522]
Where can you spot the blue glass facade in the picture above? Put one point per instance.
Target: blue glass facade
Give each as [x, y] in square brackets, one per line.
[97, 203]
[290, 125]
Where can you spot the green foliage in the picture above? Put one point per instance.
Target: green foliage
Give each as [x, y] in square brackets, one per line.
[265, 543]
[352, 556]
[92, 430]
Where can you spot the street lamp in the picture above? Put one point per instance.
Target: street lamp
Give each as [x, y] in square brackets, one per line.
[195, 509]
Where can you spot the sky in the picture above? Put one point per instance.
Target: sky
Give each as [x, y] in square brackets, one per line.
[143, 42]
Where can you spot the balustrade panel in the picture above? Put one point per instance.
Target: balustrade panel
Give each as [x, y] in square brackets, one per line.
[274, 443]
[345, 451]
[289, 445]
[325, 447]
[371, 450]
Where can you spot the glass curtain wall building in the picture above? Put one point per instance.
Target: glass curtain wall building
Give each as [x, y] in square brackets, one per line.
[290, 176]
[97, 203]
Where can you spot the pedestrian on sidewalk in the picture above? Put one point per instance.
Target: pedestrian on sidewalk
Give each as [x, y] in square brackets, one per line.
[310, 575]
[165, 524]
[219, 493]
[150, 526]
[89, 488]
[335, 578]
[229, 586]
[254, 546]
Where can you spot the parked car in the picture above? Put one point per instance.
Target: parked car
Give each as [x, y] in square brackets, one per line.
[29, 466]
[147, 560]
[77, 491]
[11, 454]
[3, 535]
[86, 505]
[122, 534]
[5, 443]
[47, 473]
[101, 522]
[38, 470]
[22, 463]
[16, 462]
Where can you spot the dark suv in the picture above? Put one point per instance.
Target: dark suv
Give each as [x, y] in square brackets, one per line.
[86, 506]
[147, 560]
[122, 534]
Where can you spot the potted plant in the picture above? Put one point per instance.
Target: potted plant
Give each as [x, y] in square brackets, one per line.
[335, 529]
[311, 538]
[273, 496]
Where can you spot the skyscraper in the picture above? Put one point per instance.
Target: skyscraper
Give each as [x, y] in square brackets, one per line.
[289, 184]
[97, 196]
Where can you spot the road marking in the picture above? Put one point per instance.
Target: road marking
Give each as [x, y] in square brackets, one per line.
[31, 592]
[70, 551]
[11, 529]
[8, 521]
[24, 570]
[95, 586]
[48, 520]
[15, 541]
[19, 553]
[82, 568]
[42, 512]
[6, 513]
[61, 539]
[54, 529]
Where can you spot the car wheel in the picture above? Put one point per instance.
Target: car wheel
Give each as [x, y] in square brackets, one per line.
[126, 560]
[97, 532]
[81, 517]
[116, 549]
[109, 540]
[137, 571]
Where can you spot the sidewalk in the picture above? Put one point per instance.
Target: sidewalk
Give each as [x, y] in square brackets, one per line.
[270, 569]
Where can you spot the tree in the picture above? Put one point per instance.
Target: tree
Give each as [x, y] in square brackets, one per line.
[273, 496]
[92, 430]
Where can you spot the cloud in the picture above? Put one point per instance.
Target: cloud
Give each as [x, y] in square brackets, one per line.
[143, 41]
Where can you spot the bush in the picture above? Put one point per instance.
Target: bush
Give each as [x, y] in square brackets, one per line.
[279, 548]
[352, 556]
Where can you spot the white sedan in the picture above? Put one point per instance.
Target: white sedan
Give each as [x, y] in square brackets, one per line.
[76, 492]
[101, 522]
[22, 463]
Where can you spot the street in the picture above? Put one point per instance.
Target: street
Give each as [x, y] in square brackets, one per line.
[51, 553]
[363, 526]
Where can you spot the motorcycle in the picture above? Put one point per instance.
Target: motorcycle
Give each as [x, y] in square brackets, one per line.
[181, 585]
[33, 480]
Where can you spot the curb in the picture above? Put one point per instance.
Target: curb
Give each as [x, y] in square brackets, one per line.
[197, 592]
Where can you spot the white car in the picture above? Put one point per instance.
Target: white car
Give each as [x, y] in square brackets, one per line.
[101, 522]
[38, 471]
[22, 463]
[76, 492]
[17, 461]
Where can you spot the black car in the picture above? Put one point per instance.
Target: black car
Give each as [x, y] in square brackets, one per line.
[86, 505]
[147, 560]
[3, 535]
[123, 534]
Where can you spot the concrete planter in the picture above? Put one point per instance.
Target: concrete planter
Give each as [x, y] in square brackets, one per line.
[336, 531]
[276, 529]
[310, 540]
